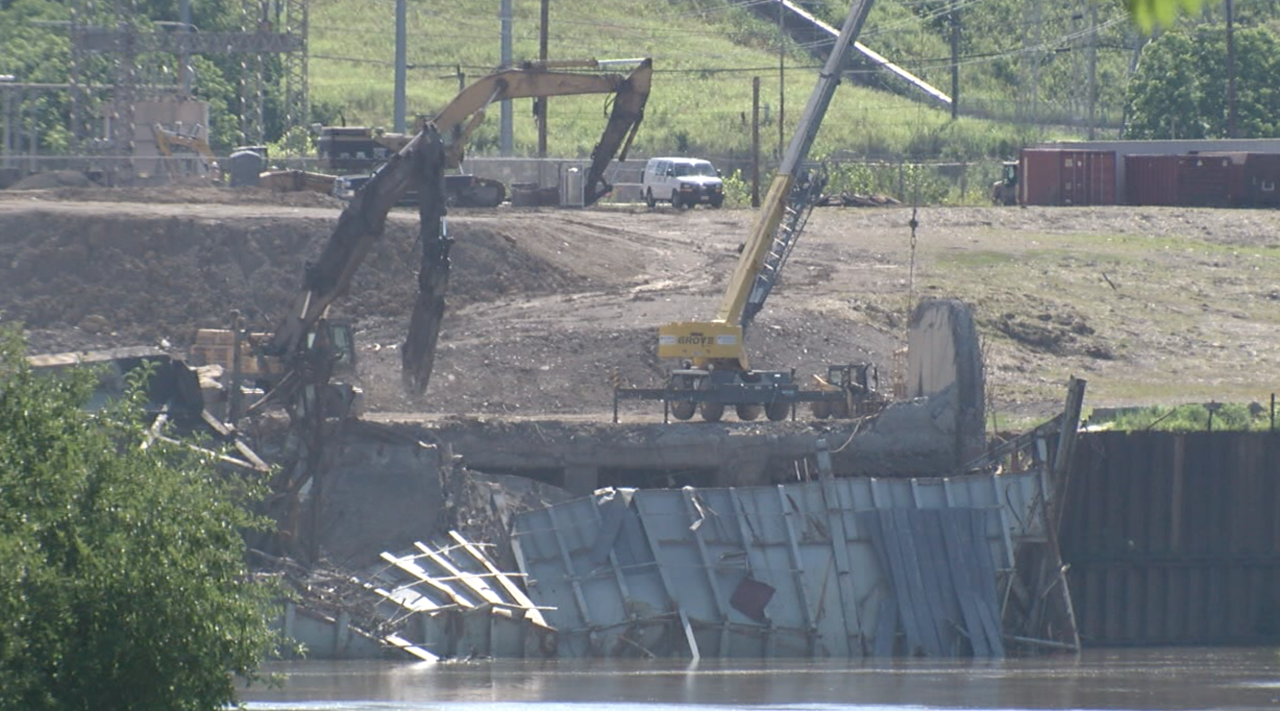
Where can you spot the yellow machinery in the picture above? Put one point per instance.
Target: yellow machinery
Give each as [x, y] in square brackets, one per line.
[715, 369]
[344, 147]
[167, 140]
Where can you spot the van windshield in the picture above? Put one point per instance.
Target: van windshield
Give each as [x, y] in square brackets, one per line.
[694, 169]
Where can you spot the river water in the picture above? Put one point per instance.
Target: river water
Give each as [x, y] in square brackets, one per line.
[1177, 678]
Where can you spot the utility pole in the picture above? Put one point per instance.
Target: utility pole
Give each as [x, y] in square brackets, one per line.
[1231, 73]
[184, 71]
[755, 142]
[955, 60]
[540, 104]
[782, 81]
[401, 66]
[1093, 69]
[505, 139]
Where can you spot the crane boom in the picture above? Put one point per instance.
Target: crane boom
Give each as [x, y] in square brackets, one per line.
[764, 231]
[773, 234]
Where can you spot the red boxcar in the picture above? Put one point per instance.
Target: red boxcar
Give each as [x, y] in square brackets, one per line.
[1151, 180]
[1257, 184]
[1204, 180]
[1049, 176]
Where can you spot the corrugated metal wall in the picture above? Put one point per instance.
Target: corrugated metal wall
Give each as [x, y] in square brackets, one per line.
[1175, 538]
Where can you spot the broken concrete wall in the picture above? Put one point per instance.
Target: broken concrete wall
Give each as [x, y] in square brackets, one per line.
[944, 363]
[379, 496]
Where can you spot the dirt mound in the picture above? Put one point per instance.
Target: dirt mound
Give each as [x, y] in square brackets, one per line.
[53, 179]
[61, 188]
[104, 279]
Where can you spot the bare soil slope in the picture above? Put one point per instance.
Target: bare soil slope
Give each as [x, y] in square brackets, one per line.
[547, 307]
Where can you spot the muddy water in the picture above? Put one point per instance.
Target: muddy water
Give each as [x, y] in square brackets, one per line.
[1184, 678]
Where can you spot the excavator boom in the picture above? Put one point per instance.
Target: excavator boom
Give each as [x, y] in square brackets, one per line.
[420, 162]
[629, 93]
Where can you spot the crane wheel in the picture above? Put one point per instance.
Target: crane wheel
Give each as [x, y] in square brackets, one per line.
[821, 410]
[712, 411]
[682, 409]
[747, 413]
[777, 411]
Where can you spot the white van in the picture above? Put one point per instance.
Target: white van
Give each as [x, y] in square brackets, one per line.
[684, 182]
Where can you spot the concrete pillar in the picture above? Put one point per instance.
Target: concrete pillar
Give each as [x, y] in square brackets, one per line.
[580, 480]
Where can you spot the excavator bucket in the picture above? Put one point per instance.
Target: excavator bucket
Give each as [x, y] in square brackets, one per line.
[418, 355]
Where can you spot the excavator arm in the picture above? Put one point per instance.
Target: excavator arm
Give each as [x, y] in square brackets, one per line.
[460, 117]
[421, 162]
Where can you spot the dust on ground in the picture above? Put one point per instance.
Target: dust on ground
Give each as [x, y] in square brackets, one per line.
[548, 307]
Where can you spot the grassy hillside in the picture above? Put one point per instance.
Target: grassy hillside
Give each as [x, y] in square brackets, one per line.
[705, 55]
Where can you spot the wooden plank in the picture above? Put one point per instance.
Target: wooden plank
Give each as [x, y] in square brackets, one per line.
[477, 584]
[410, 566]
[513, 591]
[399, 642]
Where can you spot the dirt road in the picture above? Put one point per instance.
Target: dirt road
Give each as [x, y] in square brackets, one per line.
[1149, 304]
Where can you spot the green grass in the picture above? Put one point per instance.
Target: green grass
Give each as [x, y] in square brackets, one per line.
[1238, 417]
[705, 55]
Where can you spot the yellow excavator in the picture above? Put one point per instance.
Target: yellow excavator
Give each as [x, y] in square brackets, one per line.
[168, 139]
[356, 147]
[714, 368]
[300, 352]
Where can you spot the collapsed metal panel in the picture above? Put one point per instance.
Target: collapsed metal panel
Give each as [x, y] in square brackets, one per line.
[447, 599]
[789, 570]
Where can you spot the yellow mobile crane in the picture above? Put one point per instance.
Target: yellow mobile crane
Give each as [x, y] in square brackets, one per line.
[715, 369]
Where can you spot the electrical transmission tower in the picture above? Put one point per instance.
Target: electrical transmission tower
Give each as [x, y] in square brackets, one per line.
[142, 51]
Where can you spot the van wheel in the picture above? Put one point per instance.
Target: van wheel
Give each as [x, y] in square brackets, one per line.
[648, 198]
[675, 200]
[717, 202]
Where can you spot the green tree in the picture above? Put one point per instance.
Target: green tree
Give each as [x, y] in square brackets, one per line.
[1179, 90]
[122, 576]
